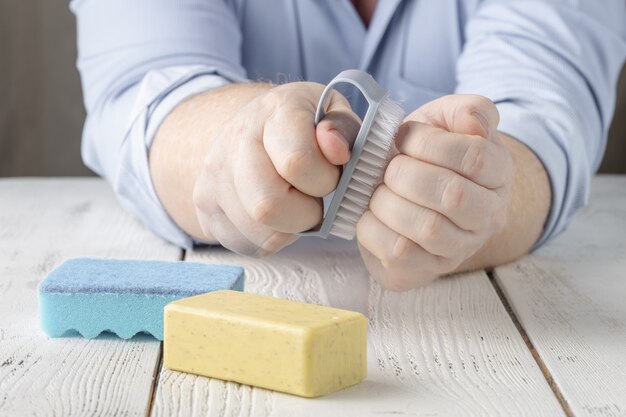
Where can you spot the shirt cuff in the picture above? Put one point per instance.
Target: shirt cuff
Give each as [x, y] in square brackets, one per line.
[159, 93]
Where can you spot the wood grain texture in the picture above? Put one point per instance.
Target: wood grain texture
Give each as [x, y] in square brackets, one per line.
[570, 297]
[449, 349]
[42, 222]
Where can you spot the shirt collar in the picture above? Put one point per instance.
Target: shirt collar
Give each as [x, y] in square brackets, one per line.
[384, 12]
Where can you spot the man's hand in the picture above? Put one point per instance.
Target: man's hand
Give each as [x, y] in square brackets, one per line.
[264, 174]
[444, 195]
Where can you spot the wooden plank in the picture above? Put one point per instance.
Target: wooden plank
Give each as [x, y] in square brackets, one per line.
[570, 297]
[449, 349]
[42, 222]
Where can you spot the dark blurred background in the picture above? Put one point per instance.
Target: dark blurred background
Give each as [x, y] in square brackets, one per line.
[41, 110]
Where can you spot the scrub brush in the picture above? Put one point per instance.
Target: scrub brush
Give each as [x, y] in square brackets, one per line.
[369, 156]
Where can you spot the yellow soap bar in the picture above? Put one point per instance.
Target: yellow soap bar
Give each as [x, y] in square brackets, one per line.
[282, 345]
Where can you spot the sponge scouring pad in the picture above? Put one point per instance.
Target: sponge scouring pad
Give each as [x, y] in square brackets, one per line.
[125, 297]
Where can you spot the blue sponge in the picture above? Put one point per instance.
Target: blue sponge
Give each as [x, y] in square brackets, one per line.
[123, 296]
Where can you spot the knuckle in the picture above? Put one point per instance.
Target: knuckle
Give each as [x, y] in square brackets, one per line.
[272, 244]
[451, 249]
[426, 140]
[474, 161]
[285, 113]
[295, 165]
[401, 248]
[398, 252]
[392, 173]
[265, 210]
[455, 194]
[432, 227]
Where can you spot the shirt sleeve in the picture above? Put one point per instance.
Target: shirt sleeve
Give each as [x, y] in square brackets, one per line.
[551, 68]
[138, 60]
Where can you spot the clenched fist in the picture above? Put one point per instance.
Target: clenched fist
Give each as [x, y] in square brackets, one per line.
[268, 166]
[444, 194]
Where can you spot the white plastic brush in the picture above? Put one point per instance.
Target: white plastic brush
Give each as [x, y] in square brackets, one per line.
[368, 160]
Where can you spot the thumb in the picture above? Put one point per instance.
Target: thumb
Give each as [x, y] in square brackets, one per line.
[337, 131]
[461, 113]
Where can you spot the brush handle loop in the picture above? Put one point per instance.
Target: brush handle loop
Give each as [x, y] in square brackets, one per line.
[374, 94]
[366, 84]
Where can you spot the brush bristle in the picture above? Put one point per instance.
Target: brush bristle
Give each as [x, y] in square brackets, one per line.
[369, 168]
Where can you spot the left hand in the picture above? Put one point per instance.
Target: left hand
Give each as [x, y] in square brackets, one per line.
[444, 194]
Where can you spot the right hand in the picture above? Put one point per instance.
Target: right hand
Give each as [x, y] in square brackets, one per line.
[263, 177]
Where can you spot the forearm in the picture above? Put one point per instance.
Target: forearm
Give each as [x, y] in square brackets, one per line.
[182, 141]
[527, 211]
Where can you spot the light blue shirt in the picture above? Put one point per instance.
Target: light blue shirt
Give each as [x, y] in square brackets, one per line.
[550, 66]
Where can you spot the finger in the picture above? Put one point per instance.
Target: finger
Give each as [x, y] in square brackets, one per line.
[430, 230]
[388, 280]
[233, 230]
[478, 160]
[337, 131]
[399, 264]
[261, 239]
[461, 113]
[221, 228]
[289, 140]
[268, 198]
[459, 199]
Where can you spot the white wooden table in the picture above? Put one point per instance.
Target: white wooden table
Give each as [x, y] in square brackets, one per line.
[545, 336]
